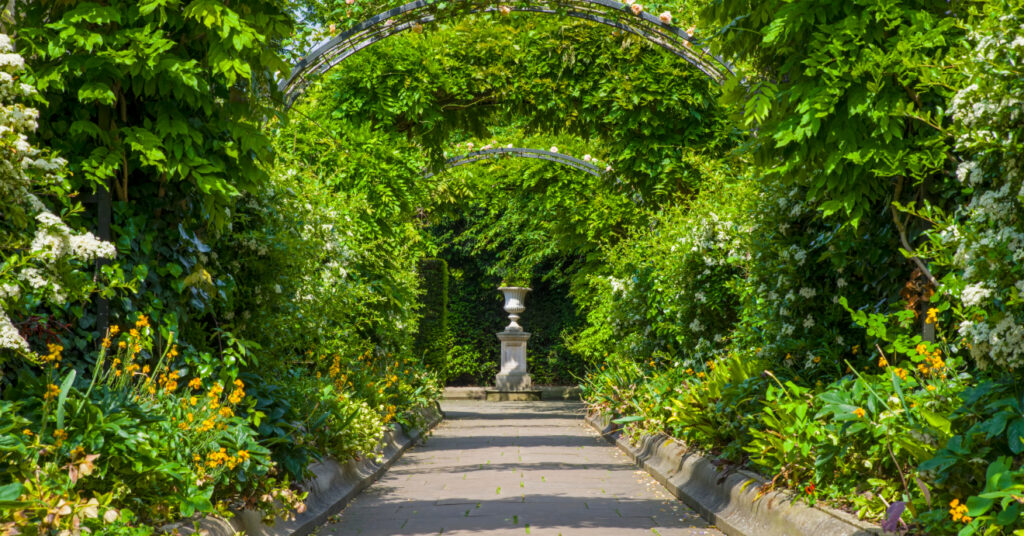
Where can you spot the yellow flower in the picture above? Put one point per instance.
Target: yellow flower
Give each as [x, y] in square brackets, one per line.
[114, 330]
[859, 412]
[60, 434]
[930, 387]
[51, 392]
[195, 383]
[932, 316]
[958, 511]
[134, 333]
[122, 345]
[142, 321]
[817, 359]
[27, 432]
[855, 349]
[106, 342]
[922, 348]
[902, 373]
[882, 362]
[145, 369]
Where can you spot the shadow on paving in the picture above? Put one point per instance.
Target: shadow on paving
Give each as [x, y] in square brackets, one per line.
[512, 467]
[560, 413]
[551, 475]
[539, 513]
[523, 441]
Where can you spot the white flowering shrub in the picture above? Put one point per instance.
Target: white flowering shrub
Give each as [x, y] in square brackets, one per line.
[800, 266]
[671, 295]
[984, 238]
[42, 256]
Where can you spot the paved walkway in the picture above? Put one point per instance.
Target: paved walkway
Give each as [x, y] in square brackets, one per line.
[510, 468]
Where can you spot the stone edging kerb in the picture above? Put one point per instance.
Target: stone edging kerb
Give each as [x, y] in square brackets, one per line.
[331, 488]
[728, 500]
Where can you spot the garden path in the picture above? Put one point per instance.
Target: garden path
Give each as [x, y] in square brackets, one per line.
[505, 468]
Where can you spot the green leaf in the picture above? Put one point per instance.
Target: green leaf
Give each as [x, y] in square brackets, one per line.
[935, 420]
[11, 492]
[64, 389]
[1015, 435]
[93, 92]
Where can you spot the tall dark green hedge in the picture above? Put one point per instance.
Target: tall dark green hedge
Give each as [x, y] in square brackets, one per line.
[432, 341]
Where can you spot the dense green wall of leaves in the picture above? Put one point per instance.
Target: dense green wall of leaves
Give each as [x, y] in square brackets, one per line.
[432, 341]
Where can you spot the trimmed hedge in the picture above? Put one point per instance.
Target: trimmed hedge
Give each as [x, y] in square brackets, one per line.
[432, 341]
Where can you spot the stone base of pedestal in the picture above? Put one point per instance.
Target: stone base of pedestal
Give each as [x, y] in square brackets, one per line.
[529, 395]
[512, 381]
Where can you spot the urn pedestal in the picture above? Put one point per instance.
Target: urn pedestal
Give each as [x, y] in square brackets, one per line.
[513, 380]
[513, 375]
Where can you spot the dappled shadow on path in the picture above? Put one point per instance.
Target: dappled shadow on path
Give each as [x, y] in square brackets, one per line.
[510, 466]
[562, 441]
[514, 515]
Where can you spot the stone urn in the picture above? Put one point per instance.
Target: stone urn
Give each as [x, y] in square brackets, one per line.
[514, 298]
[513, 375]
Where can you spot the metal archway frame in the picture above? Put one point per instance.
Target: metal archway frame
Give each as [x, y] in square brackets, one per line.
[521, 152]
[333, 51]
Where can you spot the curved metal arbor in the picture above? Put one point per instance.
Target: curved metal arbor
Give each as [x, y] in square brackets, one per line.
[330, 53]
[520, 152]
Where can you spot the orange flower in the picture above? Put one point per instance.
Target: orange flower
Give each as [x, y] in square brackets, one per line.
[859, 412]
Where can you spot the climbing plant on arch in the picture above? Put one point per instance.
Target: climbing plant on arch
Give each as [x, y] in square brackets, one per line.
[583, 165]
[414, 15]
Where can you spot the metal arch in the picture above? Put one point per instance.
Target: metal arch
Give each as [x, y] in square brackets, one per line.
[608, 12]
[521, 152]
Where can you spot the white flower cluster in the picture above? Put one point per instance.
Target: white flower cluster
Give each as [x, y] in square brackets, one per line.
[24, 168]
[988, 234]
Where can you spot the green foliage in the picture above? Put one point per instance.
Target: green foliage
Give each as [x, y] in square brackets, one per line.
[432, 344]
[157, 100]
[848, 98]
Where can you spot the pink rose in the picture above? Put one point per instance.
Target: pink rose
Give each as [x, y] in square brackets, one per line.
[637, 8]
[666, 17]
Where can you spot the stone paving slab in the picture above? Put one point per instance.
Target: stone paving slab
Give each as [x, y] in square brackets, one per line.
[511, 468]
